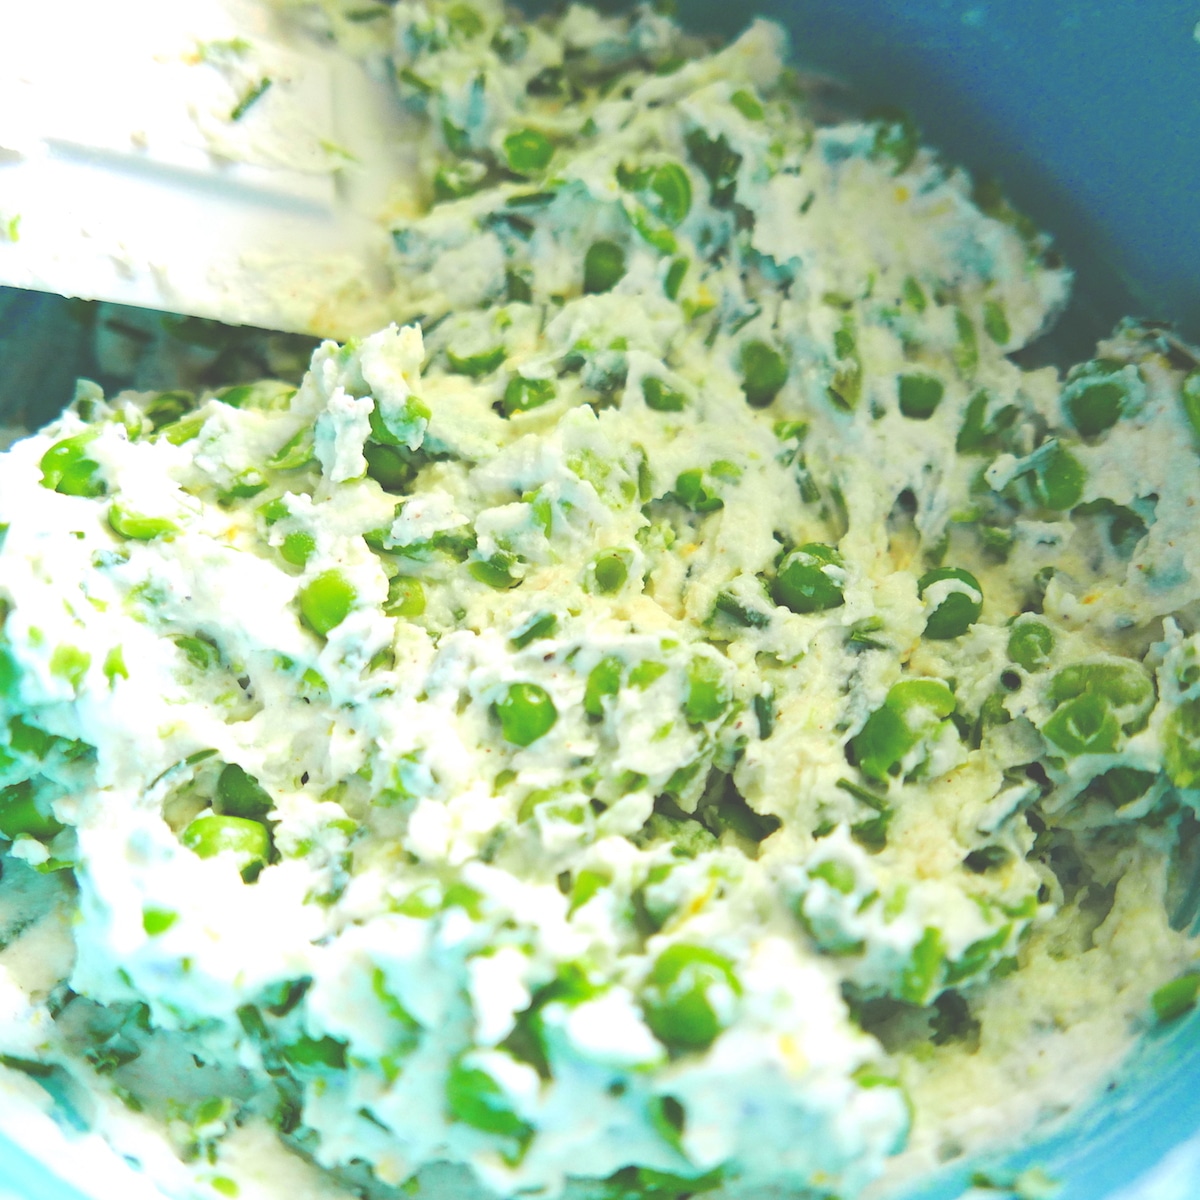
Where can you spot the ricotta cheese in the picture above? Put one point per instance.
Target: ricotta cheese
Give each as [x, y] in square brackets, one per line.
[684, 708]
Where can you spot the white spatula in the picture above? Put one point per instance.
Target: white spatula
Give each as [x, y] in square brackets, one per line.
[208, 157]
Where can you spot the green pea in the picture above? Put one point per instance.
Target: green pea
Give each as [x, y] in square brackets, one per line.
[677, 998]
[671, 193]
[645, 477]
[456, 137]
[919, 981]
[456, 543]
[10, 673]
[790, 431]
[692, 491]
[861, 634]
[211, 834]
[931, 695]
[673, 280]
[180, 432]
[603, 267]
[522, 394]
[526, 713]
[1187, 672]
[267, 395]
[1174, 999]
[541, 508]
[298, 547]
[1085, 725]
[845, 386]
[1189, 397]
[1058, 479]
[585, 885]
[1095, 397]
[995, 322]
[296, 452]
[660, 397]
[765, 712]
[200, 652]
[920, 395]
[748, 104]
[462, 895]
[1030, 644]
[1123, 685]
[634, 179]
[416, 82]
[708, 694]
[959, 609]
[497, 571]
[1181, 745]
[464, 20]
[137, 527]
[528, 152]
[518, 287]
[239, 794]
[740, 613]
[510, 43]
[458, 179]
[476, 1099]
[316, 1054]
[897, 137]
[168, 407]
[1095, 408]
[979, 954]
[603, 680]
[646, 1182]
[67, 469]
[719, 164]
[274, 511]
[21, 812]
[476, 365]
[1120, 786]
[407, 426]
[539, 625]
[29, 739]
[326, 601]
[643, 674]
[389, 467]
[914, 294]
[114, 667]
[912, 709]
[245, 485]
[839, 875]
[810, 579]
[70, 663]
[156, 921]
[966, 353]
[845, 341]
[981, 434]
[405, 598]
[764, 372]
[663, 240]
[1124, 527]
[608, 572]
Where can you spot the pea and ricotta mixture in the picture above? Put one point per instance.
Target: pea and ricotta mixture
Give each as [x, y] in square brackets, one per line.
[684, 708]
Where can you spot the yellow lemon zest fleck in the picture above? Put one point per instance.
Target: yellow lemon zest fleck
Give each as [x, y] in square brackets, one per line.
[793, 1057]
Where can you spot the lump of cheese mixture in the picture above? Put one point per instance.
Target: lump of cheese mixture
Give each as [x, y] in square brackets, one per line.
[688, 709]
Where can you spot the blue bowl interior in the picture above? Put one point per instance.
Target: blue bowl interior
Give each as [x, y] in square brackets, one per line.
[1087, 113]
[1089, 116]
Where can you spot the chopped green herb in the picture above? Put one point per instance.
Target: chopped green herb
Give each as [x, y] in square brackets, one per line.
[250, 98]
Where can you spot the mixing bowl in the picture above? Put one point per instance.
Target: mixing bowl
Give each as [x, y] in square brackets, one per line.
[1088, 113]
